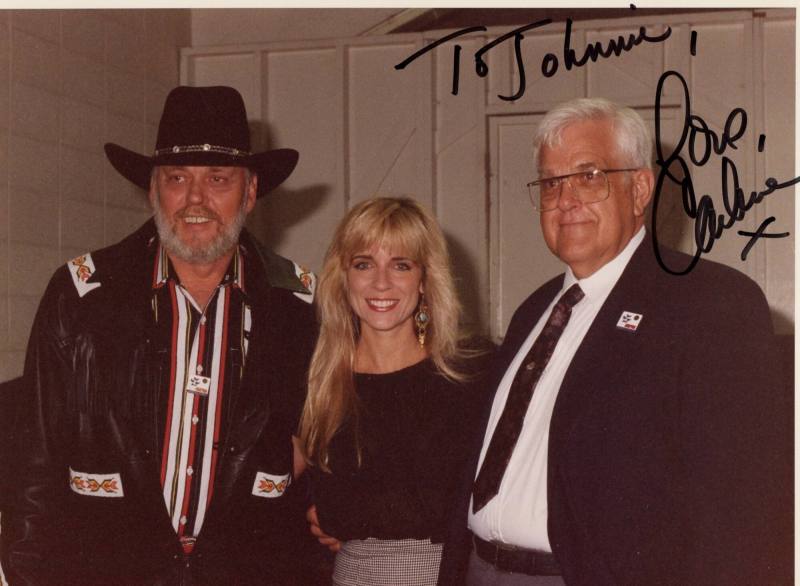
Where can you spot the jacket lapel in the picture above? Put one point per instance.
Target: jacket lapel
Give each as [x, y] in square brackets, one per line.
[594, 369]
[124, 274]
[131, 392]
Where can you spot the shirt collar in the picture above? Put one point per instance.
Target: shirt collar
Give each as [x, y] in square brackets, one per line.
[163, 270]
[599, 284]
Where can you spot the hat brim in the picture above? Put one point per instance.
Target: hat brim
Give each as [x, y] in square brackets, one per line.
[273, 167]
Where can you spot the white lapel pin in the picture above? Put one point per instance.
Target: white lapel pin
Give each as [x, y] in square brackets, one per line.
[629, 321]
[199, 385]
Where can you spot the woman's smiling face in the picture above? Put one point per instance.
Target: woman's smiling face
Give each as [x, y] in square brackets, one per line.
[383, 287]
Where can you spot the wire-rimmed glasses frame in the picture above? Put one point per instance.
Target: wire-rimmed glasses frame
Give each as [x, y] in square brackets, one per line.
[590, 186]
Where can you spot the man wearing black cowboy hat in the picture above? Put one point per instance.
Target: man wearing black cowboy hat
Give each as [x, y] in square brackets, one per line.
[164, 379]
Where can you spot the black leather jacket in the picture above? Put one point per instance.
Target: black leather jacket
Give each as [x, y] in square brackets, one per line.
[91, 383]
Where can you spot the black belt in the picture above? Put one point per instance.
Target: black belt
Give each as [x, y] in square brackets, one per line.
[521, 561]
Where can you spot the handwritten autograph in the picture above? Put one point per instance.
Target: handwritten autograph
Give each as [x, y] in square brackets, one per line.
[550, 62]
[702, 142]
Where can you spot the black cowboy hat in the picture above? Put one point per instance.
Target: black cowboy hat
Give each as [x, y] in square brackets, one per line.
[204, 126]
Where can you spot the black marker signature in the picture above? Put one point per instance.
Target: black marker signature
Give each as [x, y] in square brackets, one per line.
[594, 51]
[481, 68]
[456, 52]
[759, 233]
[708, 225]
[550, 62]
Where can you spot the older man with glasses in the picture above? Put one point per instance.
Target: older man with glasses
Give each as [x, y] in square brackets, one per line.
[628, 440]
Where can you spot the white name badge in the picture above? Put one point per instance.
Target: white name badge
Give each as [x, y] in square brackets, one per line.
[629, 321]
[199, 385]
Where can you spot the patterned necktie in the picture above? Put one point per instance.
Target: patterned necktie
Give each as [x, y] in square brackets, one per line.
[519, 397]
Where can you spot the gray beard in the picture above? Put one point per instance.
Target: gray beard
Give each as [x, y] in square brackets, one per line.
[222, 244]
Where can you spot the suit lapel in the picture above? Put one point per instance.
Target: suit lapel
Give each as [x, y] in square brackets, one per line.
[592, 371]
[523, 322]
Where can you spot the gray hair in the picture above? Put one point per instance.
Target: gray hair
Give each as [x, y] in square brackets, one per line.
[633, 137]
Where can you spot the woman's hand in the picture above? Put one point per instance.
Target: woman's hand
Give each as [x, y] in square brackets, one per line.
[331, 543]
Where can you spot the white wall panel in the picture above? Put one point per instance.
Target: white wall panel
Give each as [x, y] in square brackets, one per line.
[303, 110]
[778, 57]
[389, 126]
[462, 183]
[630, 78]
[238, 70]
[213, 26]
[721, 80]
[723, 50]
[520, 258]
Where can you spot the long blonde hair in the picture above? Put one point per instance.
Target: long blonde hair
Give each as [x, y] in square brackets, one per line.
[399, 224]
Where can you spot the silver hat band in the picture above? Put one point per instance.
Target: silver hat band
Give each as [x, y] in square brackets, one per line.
[202, 148]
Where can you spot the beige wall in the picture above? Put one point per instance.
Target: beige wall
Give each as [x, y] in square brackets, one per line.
[71, 80]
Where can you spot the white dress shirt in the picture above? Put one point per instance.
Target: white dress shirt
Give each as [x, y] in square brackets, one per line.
[517, 515]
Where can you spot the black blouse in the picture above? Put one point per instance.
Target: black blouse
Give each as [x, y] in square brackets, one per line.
[415, 426]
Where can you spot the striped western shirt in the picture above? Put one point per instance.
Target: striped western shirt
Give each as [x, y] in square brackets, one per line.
[208, 348]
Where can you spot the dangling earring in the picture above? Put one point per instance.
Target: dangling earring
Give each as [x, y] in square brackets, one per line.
[421, 319]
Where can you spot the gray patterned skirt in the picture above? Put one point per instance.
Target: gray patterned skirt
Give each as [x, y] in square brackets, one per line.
[387, 562]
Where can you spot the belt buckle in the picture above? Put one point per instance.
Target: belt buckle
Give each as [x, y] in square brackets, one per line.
[495, 553]
[499, 549]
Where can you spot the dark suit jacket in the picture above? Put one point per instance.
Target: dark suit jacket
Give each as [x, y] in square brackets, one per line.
[90, 401]
[662, 462]
[9, 391]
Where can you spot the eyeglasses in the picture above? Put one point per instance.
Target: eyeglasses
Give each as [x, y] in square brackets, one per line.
[587, 186]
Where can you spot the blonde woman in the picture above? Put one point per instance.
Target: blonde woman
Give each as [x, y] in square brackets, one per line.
[389, 401]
